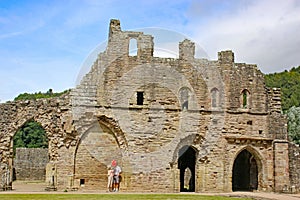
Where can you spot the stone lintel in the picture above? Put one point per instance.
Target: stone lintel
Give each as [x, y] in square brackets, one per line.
[248, 140]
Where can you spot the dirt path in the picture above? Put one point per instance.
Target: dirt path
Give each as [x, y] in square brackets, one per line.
[39, 187]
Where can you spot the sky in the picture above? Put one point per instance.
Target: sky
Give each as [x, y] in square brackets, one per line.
[44, 44]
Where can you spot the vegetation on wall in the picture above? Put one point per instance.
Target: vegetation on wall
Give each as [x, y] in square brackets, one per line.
[39, 95]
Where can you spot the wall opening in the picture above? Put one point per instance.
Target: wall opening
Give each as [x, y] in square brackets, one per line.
[30, 147]
[245, 97]
[186, 165]
[82, 181]
[245, 172]
[140, 98]
[184, 94]
[133, 48]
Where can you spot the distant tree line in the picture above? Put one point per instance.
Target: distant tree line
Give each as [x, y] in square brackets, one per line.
[39, 95]
[289, 82]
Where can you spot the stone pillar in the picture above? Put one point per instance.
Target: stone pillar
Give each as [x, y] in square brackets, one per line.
[226, 57]
[186, 50]
[176, 177]
[281, 166]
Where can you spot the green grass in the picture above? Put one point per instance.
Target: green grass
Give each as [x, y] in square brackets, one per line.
[114, 196]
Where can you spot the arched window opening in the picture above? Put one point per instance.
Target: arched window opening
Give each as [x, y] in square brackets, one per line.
[245, 98]
[184, 98]
[245, 172]
[133, 48]
[214, 98]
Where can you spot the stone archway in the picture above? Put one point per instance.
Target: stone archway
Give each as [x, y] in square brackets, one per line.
[101, 143]
[30, 144]
[245, 172]
[186, 164]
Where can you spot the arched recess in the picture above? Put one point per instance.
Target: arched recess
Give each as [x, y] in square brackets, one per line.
[187, 163]
[247, 170]
[245, 99]
[215, 97]
[185, 97]
[30, 148]
[95, 149]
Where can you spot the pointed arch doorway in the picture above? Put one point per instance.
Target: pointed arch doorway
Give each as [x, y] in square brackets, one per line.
[245, 172]
[186, 165]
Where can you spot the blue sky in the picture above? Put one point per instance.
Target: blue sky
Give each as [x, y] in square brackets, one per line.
[43, 44]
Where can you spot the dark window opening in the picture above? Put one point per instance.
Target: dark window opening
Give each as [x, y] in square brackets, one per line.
[185, 105]
[260, 131]
[249, 122]
[140, 98]
[82, 181]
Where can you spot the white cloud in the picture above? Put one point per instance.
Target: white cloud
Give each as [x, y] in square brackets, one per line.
[262, 32]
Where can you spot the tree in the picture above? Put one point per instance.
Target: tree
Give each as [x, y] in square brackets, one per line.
[31, 135]
[289, 82]
[294, 124]
[39, 95]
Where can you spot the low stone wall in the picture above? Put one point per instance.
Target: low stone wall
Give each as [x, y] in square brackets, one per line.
[30, 163]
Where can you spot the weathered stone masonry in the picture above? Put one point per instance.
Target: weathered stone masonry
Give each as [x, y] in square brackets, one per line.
[159, 118]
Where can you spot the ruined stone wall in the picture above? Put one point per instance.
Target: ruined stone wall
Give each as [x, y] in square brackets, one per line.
[145, 112]
[30, 163]
[294, 167]
[54, 115]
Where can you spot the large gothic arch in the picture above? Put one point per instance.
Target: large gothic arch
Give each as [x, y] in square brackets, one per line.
[247, 169]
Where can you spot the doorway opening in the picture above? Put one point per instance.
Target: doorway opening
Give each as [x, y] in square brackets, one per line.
[245, 172]
[186, 165]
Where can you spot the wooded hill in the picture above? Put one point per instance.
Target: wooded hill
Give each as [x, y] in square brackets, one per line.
[289, 82]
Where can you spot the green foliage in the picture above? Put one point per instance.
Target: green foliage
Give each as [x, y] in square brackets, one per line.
[31, 135]
[294, 124]
[39, 95]
[289, 82]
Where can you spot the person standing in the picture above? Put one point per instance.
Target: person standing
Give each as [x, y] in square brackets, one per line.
[117, 172]
[110, 177]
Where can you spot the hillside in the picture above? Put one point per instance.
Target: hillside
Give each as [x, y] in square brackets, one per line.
[289, 82]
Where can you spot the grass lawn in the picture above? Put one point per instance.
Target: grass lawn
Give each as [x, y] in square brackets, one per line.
[113, 196]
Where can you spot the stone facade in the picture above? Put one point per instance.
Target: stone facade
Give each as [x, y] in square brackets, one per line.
[159, 118]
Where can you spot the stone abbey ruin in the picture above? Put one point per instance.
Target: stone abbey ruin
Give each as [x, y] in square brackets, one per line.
[173, 124]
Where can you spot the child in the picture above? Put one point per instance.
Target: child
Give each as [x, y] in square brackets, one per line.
[110, 177]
